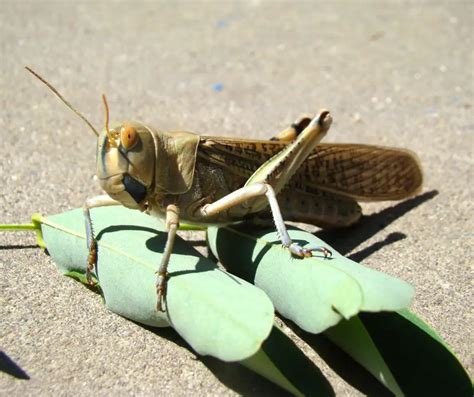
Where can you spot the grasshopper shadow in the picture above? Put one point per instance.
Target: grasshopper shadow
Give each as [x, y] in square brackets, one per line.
[119, 228]
[345, 240]
[181, 247]
[225, 246]
[226, 249]
[157, 244]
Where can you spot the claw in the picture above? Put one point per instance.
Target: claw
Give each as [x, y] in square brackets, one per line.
[91, 261]
[327, 253]
[160, 303]
[297, 250]
[161, 285]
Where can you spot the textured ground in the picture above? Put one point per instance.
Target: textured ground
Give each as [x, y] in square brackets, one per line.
[392, 73]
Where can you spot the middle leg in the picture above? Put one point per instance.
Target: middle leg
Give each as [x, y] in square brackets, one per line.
[253, 191]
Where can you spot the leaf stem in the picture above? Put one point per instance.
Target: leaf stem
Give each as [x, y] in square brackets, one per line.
[35, 225]
[17, 227]
[189, 227]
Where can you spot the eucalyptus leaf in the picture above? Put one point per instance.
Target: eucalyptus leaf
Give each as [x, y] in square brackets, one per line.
[316, 293]
[215, 312]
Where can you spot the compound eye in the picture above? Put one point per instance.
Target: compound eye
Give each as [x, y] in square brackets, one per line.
[128, 136]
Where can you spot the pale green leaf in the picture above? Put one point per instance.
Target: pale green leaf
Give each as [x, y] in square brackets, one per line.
[315, 293]
[215, 312]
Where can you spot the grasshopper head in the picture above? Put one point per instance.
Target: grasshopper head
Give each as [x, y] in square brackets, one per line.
[125, 156]
[126, 163]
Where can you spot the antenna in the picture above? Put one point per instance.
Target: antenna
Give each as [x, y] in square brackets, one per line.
[104, 99]
[64, 100]
[110, 137]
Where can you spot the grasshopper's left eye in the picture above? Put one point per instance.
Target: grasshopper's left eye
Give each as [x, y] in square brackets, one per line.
[128, 136]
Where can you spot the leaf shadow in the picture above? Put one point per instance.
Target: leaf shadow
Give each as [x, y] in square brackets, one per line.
[233, 375]
[433, 371]
[157, 244]
[17, 246]
[245, 272]
[242, 380]
[8, 366]
[341, 363]
[345, 240]
[306, 377]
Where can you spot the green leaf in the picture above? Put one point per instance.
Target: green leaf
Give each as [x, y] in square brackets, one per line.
[215, 312]
[315, 293]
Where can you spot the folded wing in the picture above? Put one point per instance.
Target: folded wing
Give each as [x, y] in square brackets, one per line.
[360, 172]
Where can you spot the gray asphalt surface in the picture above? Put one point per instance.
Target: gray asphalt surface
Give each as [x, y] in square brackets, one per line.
[392, 73]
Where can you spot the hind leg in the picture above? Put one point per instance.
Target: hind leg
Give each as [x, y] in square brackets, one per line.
[291, 133]
[261, 188]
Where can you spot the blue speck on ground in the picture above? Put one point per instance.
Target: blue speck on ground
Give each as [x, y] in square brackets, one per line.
[218, 87]
[221, 23]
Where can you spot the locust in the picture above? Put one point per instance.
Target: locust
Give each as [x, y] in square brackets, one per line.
[181, 176]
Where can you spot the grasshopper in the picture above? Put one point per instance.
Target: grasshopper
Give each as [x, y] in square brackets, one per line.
[182, 176]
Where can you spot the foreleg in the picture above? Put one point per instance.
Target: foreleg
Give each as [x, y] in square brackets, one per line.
[172, 224]
[93, 202]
